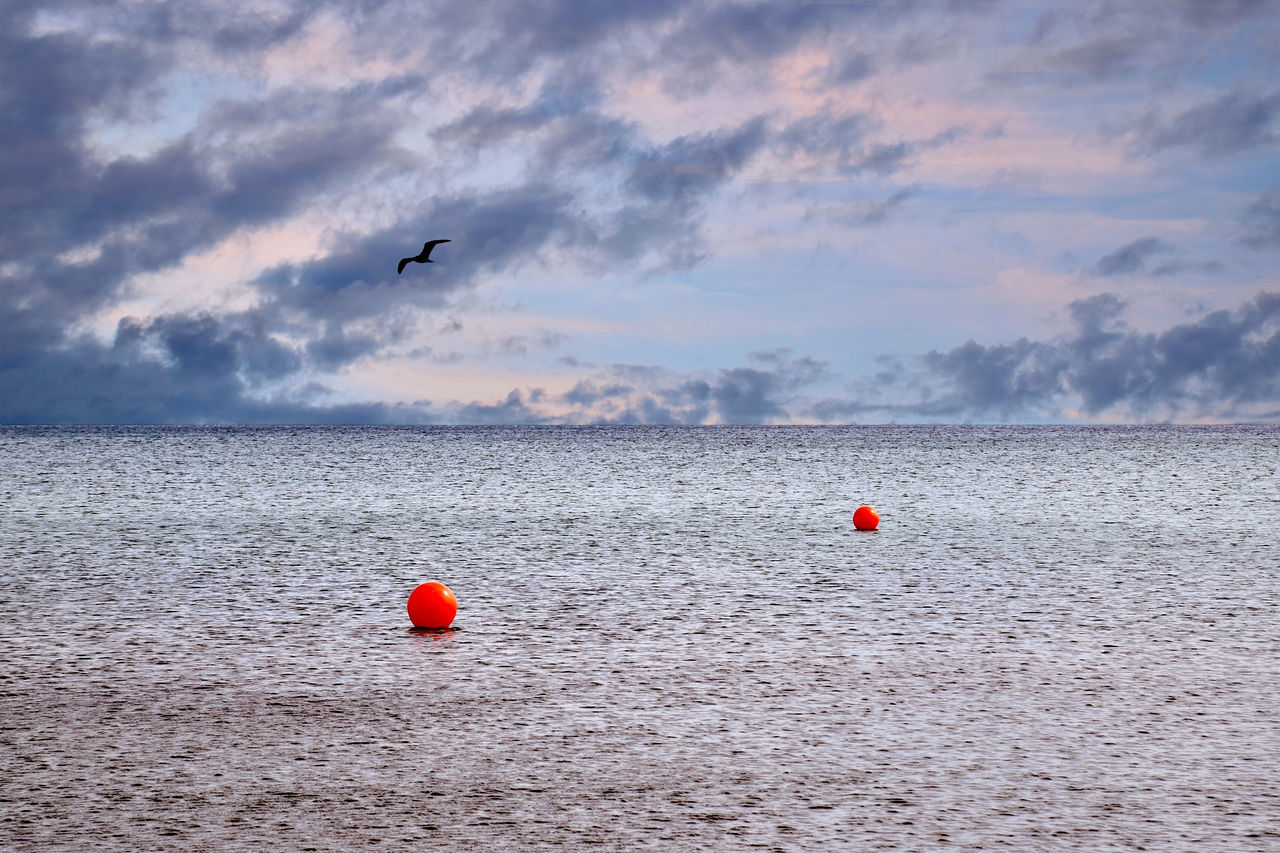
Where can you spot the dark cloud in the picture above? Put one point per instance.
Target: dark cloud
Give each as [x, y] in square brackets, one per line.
[1229, 124]
[1101, 58]
[177, 209]
[823, 132]
[1003, 378]
[487, 125]
[176, 369]
[50, 86]
[758, 394]
[1092, 313]
[507, 39]
[1073, 49]
[250, 31]
[1223, 365]
[665, 188]
[852, 68]
[1213, 14]
[587, 393]
[744, 32]
[793, 371]
[75, 228]
[511, 226]
[139, 214]
[659, 189]
[1130, 258]
[686, 169]
[521, 344]
[840, 141]
[1262, 221]
[876, 212]
[512, 410]
[566, 107]
[1180, 267]
[357, 278]
[230, 31]
[862, 213]
[1081, 45]
[647, 410]
[337, 346]
[745, 395]
[882, 159]
[766, 391]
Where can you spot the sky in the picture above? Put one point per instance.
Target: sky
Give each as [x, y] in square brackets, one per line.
[702, 212]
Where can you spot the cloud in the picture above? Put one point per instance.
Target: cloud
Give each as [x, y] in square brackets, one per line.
[1180, 267]
[824, 132]
[357, 278]
[1130, 258]
[144, 214]
[839, 140]
[250, 163]
[763, 392]
[658, 190]
[860, 214]
[1100, 58]
[744, 395]
[1003, 378]
[1224, 365]
[49, 87]
[852, 69]
[1085, 45]
[684, 170]
[587, 393]
[1262, 221]
[1213, 14]
[505, 40]
[203, 346]
[230, 31]
[188, 369]
[144, 147]
[522, 344]
[1229, 124]
[766, 390]
[512, 410]
[79, 225]
[739, 33]
[828, 141]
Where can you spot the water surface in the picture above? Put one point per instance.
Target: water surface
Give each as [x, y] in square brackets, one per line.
[668, 638]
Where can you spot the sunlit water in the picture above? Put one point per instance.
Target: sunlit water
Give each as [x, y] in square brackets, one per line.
[668, 639]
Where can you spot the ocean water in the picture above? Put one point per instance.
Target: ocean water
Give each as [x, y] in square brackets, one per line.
[1060, 638]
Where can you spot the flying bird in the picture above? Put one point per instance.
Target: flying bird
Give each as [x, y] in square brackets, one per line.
[424, 257]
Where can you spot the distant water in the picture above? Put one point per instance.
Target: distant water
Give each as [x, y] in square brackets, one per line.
[668, 639]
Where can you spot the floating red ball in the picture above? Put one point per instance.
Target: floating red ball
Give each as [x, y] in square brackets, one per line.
[865, 518]
[432, 605]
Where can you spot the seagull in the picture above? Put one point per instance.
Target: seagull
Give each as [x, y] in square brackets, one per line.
[424, 257]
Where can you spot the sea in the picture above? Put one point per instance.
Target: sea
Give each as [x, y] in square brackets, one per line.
[668, 638]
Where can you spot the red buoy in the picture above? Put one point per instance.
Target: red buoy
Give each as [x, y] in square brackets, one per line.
[432, 605]
[865, 518]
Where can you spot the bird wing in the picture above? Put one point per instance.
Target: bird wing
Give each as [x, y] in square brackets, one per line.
[403, 262]
[426, 249]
